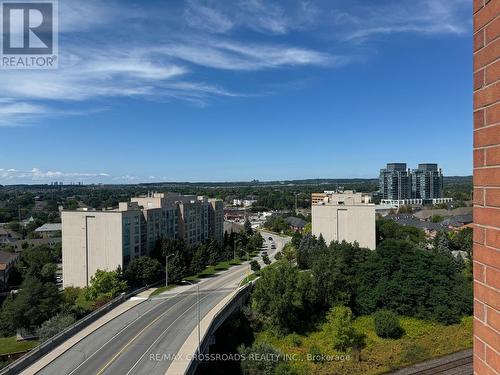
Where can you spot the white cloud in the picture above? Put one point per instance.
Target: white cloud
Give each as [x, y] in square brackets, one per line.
[38, 175]
[264, 16]
[206, 18]
[14, 113]
[100, 60]
[363, 22]
[230, 55]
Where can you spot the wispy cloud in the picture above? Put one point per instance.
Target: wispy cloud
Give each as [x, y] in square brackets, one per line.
[264, 16]
[363, 22]
[230, 55]
[100, 60]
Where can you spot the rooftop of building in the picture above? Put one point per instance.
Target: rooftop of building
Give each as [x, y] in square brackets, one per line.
[296, 222]
[6, 257]
[49, 227]
[343, 197]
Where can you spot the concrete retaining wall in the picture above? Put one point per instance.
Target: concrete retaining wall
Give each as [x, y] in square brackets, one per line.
[237, 302]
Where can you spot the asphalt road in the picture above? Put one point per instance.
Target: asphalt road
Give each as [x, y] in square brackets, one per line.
[144, 339]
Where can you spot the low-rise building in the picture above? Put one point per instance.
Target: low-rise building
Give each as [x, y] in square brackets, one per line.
[296, 223]
[49, 230]
[248, 202]
[7, 237]
[345, 216]
[7, 261]
[396, 203]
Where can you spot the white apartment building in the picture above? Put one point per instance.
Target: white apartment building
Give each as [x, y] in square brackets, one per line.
[106, 239]
[344, 216]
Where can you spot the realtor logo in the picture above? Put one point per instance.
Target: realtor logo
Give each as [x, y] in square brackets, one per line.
[29, 34]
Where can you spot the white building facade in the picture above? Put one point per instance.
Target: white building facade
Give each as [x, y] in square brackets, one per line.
[345, 216]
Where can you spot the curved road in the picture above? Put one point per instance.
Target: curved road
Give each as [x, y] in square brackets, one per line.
[144, 339]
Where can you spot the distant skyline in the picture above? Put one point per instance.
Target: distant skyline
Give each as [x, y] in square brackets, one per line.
[220, 91]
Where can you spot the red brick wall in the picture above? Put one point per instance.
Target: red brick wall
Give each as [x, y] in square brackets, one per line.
[486, 187]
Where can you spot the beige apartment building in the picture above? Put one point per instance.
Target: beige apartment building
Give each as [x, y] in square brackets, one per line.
[344, 216]
[95, 240]
[106, 239]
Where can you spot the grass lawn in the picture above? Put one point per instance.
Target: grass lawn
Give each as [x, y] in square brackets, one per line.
[249, 278]
[163, 289]
[211, 271]
[422, 340]
[10, 345]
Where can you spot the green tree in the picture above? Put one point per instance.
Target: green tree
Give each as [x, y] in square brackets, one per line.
[281, 298]
[335, 273]
[266, 260]
[248, 227]
[390, 230]
[200, 259]
[255, 266]
[289, 253]
[34, 259]
[410, 281]
[48, 272]
[179, 260]
[213, 251]
[339, 325]
[35, 302]
[143, 271]
[105, 284]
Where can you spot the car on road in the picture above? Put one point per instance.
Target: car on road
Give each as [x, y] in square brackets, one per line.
[270, 238]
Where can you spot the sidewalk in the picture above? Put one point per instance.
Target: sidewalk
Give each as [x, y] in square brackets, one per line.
[120, 309]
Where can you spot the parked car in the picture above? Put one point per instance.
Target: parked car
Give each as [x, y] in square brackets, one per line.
[273, 246]
[270, 238]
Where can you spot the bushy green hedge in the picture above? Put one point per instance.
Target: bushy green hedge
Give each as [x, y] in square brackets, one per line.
[387, 324]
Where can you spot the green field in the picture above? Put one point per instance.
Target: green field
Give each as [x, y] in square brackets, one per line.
[422, 340]
[249, 278]
[11, 345]
[209, 271]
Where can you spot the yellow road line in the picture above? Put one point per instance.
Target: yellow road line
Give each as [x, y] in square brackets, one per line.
[133, 339]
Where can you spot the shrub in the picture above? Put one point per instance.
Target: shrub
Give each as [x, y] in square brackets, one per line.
[387, 324]
[295, 340]
[340, 325]
[54, 325]
[315, 354]
[251, 366]
[413, 353]
[255, 266]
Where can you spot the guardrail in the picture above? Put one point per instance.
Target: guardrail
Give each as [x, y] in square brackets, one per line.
[39, 351]
[238, 301]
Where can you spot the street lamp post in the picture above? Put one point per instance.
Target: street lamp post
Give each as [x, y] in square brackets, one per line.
[199, 314]
[166, 269]
[234, 249]
[248, 259]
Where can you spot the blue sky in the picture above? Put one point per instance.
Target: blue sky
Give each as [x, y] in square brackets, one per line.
[150, 91]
